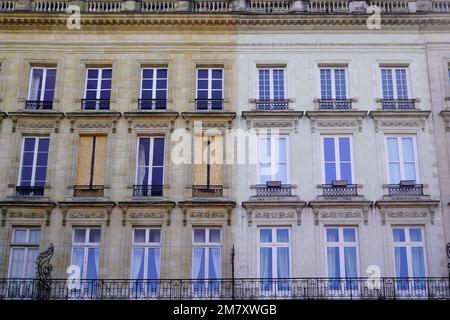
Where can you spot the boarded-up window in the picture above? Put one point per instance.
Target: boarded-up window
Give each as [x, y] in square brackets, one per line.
[208, 152]
[91, 160]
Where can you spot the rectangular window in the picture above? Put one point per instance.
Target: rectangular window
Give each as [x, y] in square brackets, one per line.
[150, 167]
[24, 252]
[86, 252]
[271, 84]
[33, 166]
[206, 259]
[333, 83]
[42, 84]
[153, 89]
[98, 89]
[395, 88]
[401, 157]
[409, 256]
[145, 260]
[209, 89]
[342, 256]
[274, 257]
[208, 152]
[273, 163]
[337, 153]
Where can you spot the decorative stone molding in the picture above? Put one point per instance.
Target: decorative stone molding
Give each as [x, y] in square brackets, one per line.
[26, 210]
[445, 114]
[207, 211]
[221, 120]
[146, 211]
[282, 119]
[331, 119]
[151, 120]
[93, 121]
[87, 211]
[407, 211]
[30, 121]
[274, 211]
[340, 211]
[399, 119]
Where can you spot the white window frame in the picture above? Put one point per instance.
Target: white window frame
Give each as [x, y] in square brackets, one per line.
[209, 81]
[99, 81]
[150, 175]
[271, 81]
[146, 246]
[85, 246]
[22, 245]
[44, 81]
[341, 244]
[394, 81]
[337, 155]
[333, 81]
[400, 154]
[206, 245]
[35, 154]
[408, 244]
[274, 245]
[154, 78]
[272, 139]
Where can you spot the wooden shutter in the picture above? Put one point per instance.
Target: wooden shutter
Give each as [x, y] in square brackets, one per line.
[91, 160]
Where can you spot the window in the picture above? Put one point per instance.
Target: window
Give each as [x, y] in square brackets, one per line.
[333, 83]
[153, 88]
[274, 257]
[42, 88]
[150, 167]
[24, 252]
[409, 256]
[401, 154]
[91, 164]
[206, 259]
[33, 166]
[337, 153]
[395, 88]
[145, 261]
[271, 89]
[98, 89]
[208, 153]
[273, 163]
[342, 256]
[209, 89]
[86, 252]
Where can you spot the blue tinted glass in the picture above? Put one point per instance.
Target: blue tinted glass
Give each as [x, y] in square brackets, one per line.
[106, 84]
[415, 234]
[408, 149]
[40, 173]
[399, 235]
[217, 74]
[161, 84]
[92, 265]
[325, 84]
[27, 159]
[344, 149]
[329, 149]
[282, 235]
[146, 94]
[26, 175]
[332, 234]
[265, 235]
[106, 73]
[330, 172]
[91, 95]
[147, 73]
[265, 265]
[42, 159]
[158, 152]
[29, 144]
[334, 268]
[144, 148]
[91, 84]
[50, 81]
[401, 264]
[105, 94]
[138, 263]
[43, 145]
[351, 263]
[157, 176]
[349, 235]
[161, 73]
[340, 84]
[202, 73]
[202, 84]
[161, 94]
[418, 262]
[216, 84]
[402, 86]
[264, 84]
[93, 73]
[387, 84]
[392, 146]
[283, 262]
[153, 263]
[346, 172]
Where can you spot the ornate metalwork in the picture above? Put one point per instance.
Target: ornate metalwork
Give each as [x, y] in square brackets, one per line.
[448, 257]
[341, 104]
[399, 190]
[340, 191]
[147, 191]
[38, 105]
[398, 104]
[263, 104]
[44, 273]
[88, 191]
[209, 104]
[152, 104]
[207, 191]
[27, 191]
[283, 190]
[95, 104]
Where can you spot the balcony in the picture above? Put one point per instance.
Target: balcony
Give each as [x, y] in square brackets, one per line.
[88, 191]
[147, 191]
[95, 104]
[402, 104]
[405, 188]
[29, 191]
[38, 105]
[209, 104]
[273, 189]
[340, 188]
[341, 104]
[207, 191]
[272, 104]
[426, 288]
[152, 104]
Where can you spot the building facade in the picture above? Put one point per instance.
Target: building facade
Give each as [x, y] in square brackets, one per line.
[250, 148]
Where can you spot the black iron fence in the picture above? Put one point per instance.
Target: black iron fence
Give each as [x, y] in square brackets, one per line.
[95, 104]
[229, 289]
[282, 190]
[147, 191]
[207, 191]
[398, 104]
[38, 105]
[88, 191]
[340, 104]
[152, 104]
[278, 104]
[209, 104]
[29, 191]
[405, 190]
[330, 190]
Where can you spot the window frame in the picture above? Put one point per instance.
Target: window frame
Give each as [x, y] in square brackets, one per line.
[258, 166]
[274, 245]
[401, 162]
[44, 81]
[151, 153]
[394, 81]
[146, 245]
[154, 79]
[271, 82]
[22, 245]
[86, 246]
[99, 81]
[337, 155]
[210, 70]
[207, 245]
[35, 154]
[333, 81]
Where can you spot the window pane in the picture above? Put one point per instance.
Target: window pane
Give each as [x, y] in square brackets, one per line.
[158, 152]
[93, 73]
[17, 261]
[94, 235]
[92, 263]
[280, 173]
[265, 263]
[418, 262]
[340, 84]
[344, 149]
[106, 73]
[79, 235]
[334, 268]
[346, 172]
[137, 263]
[408, 149]
[153, 263]
[29, 144]
[392, 146]
[199, 235]
[35, 235]
[329, 149]
[282, 235]
[415, 234]
[139, 235]
[20, 236]
[155, 235]
[399, 235]
[402, 86]
[351, 270]
[387, 84]
[214, 263]
[330, 172]
[325, 84]
[283, 262]
[198, 265]
[401, 265]
[410, 171]
[78, 258]
[332, 234]
[281, 142]
[349, 235]
[32, 255]
[214, 235]
[264, 84]
[265, 235]
[394, 173]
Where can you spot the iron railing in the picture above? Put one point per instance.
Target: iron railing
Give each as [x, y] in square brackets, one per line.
[207, 191]
[340, 104]
[230, 289]
[29, 191]
[88, 191]
[152, 104]
[147, 191]
[209, 104]
[330, 190]
[407, 190]
[38, 105]
[95, 104]
[399, 104]
[263, 190]
[279, 104]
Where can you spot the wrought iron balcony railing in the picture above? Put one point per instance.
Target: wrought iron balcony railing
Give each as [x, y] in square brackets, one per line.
[281, 190]
[152, 104]
[38, 105]
[230, 289]
[280, 104]
[209, 104]
[341, 104]
[405, 190]
[95, 104]
[330, 190]
[207, 191]
[29, 191]
[147, 191]
[88, 191]
[400, 104]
